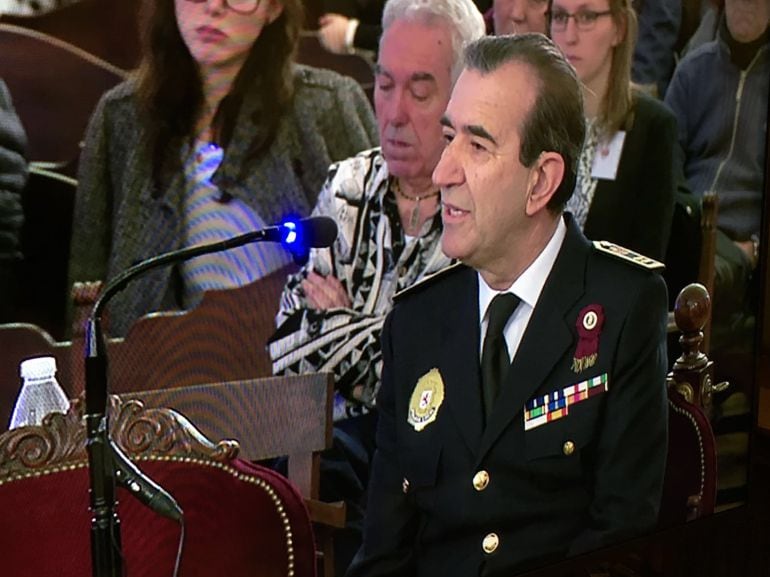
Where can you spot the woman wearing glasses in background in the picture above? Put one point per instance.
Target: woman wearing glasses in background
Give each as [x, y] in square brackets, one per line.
[626, 174]
[218, 133]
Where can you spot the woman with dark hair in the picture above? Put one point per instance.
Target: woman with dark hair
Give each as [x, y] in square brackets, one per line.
[219, 132]
[626, 172]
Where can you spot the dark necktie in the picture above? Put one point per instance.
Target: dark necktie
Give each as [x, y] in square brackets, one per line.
[494, 355]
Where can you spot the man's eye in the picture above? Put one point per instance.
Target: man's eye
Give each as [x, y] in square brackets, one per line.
[477, 147]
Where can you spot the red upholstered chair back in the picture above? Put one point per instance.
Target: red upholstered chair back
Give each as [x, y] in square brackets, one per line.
[240, 519]
[689, 490]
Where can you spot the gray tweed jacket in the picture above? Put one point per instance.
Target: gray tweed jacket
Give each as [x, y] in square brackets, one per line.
[118, 220]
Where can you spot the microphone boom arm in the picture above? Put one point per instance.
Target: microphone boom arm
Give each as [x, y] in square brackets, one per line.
[121, 281]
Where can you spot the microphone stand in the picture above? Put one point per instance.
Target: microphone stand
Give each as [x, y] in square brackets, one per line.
[103, 455]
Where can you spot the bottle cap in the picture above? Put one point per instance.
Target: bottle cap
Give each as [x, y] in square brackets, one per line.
[38, 367]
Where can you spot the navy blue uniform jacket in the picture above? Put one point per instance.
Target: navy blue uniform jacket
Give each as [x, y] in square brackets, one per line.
[543, 501]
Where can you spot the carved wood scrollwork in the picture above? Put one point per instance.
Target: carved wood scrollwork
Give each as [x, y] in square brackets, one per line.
[141, 432]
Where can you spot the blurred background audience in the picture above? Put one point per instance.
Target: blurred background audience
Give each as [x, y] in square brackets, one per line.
[719, 95]
[626, 176]
[348, 26]
[519, 16]
[32, 7]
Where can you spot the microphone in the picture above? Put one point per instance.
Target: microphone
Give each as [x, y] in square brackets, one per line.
[143, 488]
[313, 232]
[106, 462]
[297, 237]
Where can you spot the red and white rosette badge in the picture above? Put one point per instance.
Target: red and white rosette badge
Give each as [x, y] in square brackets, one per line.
[589, 325]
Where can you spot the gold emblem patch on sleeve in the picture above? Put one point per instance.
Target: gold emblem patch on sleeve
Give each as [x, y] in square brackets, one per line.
[426, 399]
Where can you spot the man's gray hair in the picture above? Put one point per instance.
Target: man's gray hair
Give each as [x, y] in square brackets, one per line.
[465, 22]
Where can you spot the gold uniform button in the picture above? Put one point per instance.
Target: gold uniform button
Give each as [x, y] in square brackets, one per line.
[480, 480]
[568, 448]
[490, 543]
[405, 485]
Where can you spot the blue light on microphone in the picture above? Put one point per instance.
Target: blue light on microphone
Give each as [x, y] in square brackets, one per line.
[293, 240]
[290, 235]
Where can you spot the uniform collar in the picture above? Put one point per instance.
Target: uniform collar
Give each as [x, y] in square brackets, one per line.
[530, 283]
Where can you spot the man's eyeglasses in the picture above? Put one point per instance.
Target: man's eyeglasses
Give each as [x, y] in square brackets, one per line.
[584, 19]
[239, 6]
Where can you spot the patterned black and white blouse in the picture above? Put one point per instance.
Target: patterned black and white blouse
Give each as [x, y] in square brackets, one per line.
[373, 259]
[32, 7]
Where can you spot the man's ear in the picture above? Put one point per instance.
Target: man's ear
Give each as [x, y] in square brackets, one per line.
[544, 179]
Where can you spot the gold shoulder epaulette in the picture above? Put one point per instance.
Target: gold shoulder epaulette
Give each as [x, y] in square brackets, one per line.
[628, 255]
[427, 280]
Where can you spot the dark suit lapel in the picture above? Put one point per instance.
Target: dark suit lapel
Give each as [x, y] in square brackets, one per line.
[459, 364]
[547, 338]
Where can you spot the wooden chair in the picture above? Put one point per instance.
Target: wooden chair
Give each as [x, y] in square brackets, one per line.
[48, 201]
[104, 28]
[706, 265]
[690, 484]
[55, 87]
[693, 373]
[222, 339]
[271, 417]
[358, 66]
[171, 359]
[239, 519]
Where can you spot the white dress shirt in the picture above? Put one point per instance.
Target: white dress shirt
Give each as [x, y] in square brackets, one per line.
[527, 287]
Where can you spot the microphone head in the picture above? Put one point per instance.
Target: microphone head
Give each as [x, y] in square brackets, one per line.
[313, 232]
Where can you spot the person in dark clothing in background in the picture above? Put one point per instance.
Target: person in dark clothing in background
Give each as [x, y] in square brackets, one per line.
[13, 178]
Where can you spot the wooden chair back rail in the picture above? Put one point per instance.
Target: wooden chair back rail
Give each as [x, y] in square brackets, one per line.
[55, 87]
[357, 66]
[706, 261]
[222, 339]
[689, 489]
[707, 267]
[270, 417]
[106, 29]
[693, 373]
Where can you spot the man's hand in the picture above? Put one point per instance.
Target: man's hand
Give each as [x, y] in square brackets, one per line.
[325, 292]
[331, 32]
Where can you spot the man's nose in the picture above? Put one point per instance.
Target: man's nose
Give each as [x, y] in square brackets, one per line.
[518, 10]
[448, 171]
[398, 111]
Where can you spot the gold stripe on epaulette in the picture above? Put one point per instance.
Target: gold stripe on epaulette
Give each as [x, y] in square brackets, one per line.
[427, 279]
[628, 255]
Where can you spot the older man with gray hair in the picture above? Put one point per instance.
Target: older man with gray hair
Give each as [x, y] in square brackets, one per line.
[388, 212]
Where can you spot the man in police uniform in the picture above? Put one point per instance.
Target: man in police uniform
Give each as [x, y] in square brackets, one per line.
[565, 451]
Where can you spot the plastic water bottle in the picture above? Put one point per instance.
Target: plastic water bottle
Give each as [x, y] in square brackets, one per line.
[40, 393]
